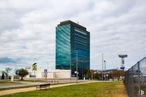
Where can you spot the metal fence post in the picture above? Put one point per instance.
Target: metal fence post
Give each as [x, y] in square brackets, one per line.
[139, 80]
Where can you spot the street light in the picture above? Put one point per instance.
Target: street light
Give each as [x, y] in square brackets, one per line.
[104, 64]
[76, 72]
[104, 73]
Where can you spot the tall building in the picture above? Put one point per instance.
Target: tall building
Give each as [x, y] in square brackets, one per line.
[73, 48]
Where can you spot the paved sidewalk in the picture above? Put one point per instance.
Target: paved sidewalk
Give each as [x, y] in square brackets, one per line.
[12, 91]
[19, 84]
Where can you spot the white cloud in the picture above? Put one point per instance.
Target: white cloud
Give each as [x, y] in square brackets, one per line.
[27, 28]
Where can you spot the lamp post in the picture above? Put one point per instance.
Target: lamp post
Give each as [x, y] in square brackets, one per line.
[104, 74]
[102, 66]
[76, 72]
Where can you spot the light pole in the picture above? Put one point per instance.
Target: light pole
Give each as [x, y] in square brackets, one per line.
[102, 65]
[76, 66]
[104, 74]
[76, 72]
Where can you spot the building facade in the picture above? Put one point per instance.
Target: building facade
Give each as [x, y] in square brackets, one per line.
[73, 48]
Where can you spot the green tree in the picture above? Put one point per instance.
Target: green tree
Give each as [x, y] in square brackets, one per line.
[117, 73]
[7, 71]
[34, 66]
[87, 74]
[3, 75]
[22, 73]
[98, 76]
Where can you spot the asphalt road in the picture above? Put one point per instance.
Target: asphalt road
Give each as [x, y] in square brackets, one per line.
[20, 84]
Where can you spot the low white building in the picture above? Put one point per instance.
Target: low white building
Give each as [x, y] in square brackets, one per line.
[49, 74]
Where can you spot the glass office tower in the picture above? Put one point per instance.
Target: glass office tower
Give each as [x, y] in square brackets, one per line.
[72, 48]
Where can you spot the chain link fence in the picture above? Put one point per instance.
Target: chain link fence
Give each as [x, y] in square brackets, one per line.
[135, 79]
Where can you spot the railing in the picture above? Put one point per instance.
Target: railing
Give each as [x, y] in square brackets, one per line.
[135, 79]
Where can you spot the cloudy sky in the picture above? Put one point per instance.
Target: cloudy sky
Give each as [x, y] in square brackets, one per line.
[27, 30]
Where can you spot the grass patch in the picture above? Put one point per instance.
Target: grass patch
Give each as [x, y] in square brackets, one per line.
[98, 89]
[6, 82]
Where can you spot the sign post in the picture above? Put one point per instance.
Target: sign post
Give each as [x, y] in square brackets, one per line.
[45, 73]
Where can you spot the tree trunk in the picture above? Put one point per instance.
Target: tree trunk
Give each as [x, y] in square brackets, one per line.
[21, 78]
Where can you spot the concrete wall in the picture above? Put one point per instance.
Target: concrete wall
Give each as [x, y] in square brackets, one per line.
[62, 74]
[51, 74]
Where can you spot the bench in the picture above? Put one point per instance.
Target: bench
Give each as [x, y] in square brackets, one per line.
[43, 86]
